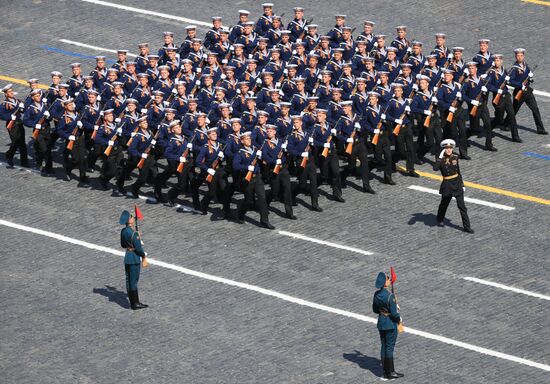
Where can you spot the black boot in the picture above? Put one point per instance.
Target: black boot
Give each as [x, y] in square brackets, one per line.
[139, 305]
[392, 374]
[388, 180]
[132, 300]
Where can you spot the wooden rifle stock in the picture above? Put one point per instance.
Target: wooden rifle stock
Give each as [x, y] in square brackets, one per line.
[303, 163]
[519, 95]
[326, 150]
[181, 165]
[141, 162]
[215, 165]
[277, 168]
[249, 174]
[349, 146]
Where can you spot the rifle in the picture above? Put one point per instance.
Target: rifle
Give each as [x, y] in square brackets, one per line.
[107, 151]
[198, 78]
[36, 131]
[17, 113]
[430, 108]
[349, 146]
[326, 149]
[379, 127]
[141, 162]
[215, 164]
[249, 174]
[70, 144]
[185, 154]
[454, 103]
[473, 111]
[524, 83]
[145, 107]
[278, 167]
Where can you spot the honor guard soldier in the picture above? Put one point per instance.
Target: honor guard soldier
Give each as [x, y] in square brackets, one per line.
[109, 148]
[416, 58]
[452, 185]
[275, 170]
[135, 255]
[168, 38]
[521, 78]
[297, 25]
[428, 125]
[300, 148]
[246, 161]
[11, 111]
[34, 118]
[71, 129]
[474, 93]
[33, 84]
[385, 305]
[497, 80]
[121, 62]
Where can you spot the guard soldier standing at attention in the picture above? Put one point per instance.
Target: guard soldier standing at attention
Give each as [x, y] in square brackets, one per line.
[452, 185]
[130, 240]
[385, 305]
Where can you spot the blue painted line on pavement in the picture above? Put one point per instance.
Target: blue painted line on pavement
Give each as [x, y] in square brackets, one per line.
[539, 156]
[69, 53]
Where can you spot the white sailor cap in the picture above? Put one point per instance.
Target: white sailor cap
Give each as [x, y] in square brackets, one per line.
[340, 16]
[372, 93]
[519, 50]
[448, 143]
[216, 18]
[245, 134]
[7, 88]
[440, 34]
[423, 77]
[401, 28]
[267, 5]
[174, 123]
[368, 22]
[125, 51]
[458, 49]
[56, 73]
[487, 41]
[244, 12]
[188, 27]
[32, 81]
[298, 9]
[346, 103]
[75, 65]
[35, 91]
[168, 33]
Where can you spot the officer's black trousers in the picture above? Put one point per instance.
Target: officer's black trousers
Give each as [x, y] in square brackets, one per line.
[280, 183]
[428, 137]
[442, 210]
[359, 151]
[529, 99]
[404, 145]
[250, 189]
[75, 157]
[384, 148]
[42, 150]
[455, 130]
[330, 170]
[309, 173]
[483, 115]
[183, 179]
[17, 138]
[110, 164]
[149, 170]
[218, 188]
[507, 106]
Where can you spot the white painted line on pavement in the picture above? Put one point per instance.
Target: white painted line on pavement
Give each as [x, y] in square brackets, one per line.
[281, 296]
[535, 91]
[468, 199]
[146, 12]
[323, 242]
[78, 44]
[507, 288]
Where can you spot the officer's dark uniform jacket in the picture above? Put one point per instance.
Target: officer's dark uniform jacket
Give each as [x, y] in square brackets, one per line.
[452, 184]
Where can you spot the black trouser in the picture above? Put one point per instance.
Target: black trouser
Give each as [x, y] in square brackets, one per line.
[75, 157]
[280, 184]
[42, 149]
[529, 98]
[384, 148]
[428, 137]
[404, 145]
[94, 151]
[17, 138]
[359, 151]
[455, 130]
[305, 174]
[183, 179]
[250, 189]
[149, 169]
[507, 106]
[111, 163]
[445, 200]
[330, 170]
[483, 115]
[218, 188]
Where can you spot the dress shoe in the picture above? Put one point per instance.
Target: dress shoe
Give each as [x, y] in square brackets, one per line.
[290, 216]
[103, 183]
[267, 225]
[468, 230]
[339, 199]
[490, 148]
[316, 208]
[412, 174]
[440, 224]
[389, 181]
[543, 132]
[465, 157]
[368, 189]
[517, 140]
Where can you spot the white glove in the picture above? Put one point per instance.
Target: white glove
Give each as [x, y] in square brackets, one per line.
[484, 89]
[250, 56]
[326, 145]
[277, 85]
[38, 126]
[77, 93]
[13, 117]
[333, 131]
[427, 112]
[133, 134]
[523, 88]
[119, 131]
[426, 62]
[279, 162]
[449, 56]
[144, 155]
[285, 71]
[442, 75]
[143, 111]
[349, 140]
[466, 72]
[251, 168]
[383, 116]
[47, 114]
[398, 121]
[79, 124]
[357, 126]
[166, 103]
[44, 100]
[283, 146]
[221, 155]
[189, 146]
[238, 91]
[204, 56]
[310, 140]
[320, 77]
[434, 99]
[415, 87]
[98, 98]
[111, 143]
[183, 159]
[376, 131]
[531, 74]
[231, 48]
[375, 44]
[72, 138]
[198, 82]
[409, 49]
[507, 78]
[441, 154]
[407, 109]
[153, 142]
[435, 89]
[258, 81]
[224, 61]
[483, 76]
[259, 154]
[459, 95]
[100, 113]
[117, 120]
[175, 91]
[211, 171]
[223, 77]
[21, 105]
[475, 102]
[293, 51]
[452, 109]
[499, 91]
[306, 154]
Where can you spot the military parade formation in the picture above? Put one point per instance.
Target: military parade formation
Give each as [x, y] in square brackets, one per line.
[257, 105]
